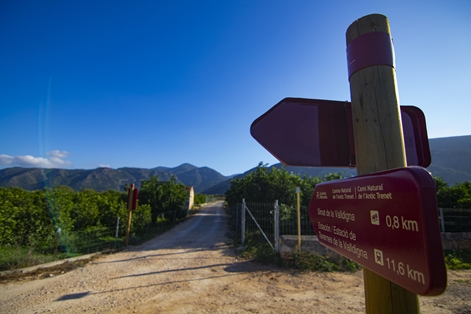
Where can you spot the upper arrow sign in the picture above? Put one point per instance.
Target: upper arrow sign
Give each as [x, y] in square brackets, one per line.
[305, 132]
[319, 133]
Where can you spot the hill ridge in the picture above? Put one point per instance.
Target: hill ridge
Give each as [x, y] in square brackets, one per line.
[451, 160]
[103, 178]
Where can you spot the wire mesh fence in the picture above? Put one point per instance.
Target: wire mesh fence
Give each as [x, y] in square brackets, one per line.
[260, 223]
[87, 241]
[71, 243]
[455, 219]
[289, 221]
[103, 238]
[91, 240]
[260, 226]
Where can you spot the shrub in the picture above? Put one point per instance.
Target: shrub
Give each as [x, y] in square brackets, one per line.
[458, 259]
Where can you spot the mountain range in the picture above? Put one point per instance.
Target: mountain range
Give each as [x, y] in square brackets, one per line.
[102, 179]
[451, 160]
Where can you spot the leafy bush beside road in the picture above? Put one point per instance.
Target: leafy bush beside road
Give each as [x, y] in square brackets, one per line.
[265, 185]
[61, 222]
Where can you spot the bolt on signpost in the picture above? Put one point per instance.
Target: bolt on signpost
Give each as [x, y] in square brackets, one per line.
[385, 219]
[131, 204]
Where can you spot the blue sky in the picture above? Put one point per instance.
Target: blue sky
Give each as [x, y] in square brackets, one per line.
[160, 83]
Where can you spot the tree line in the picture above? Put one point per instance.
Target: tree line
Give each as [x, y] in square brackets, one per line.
[30, 218]
[36, 218]
[265, 185]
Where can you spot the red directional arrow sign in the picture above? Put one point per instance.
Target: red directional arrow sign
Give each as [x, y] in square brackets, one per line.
[386, 222]
[306, 132]
[319, 133]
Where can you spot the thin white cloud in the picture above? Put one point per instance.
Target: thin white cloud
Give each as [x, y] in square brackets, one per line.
[56, 160]
[104, 166]
[58, 153]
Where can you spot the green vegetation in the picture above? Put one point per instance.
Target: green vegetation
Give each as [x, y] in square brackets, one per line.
[14, 258]
[166, 198]
[460, 259]
[350, 265]
[266, 185]
[303, 260]
[53, 223]
[456, 196]
[314, 262]
[262, 252]
[49, 224]
[200, 199]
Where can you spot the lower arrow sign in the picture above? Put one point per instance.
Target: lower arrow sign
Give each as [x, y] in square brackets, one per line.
[386, 222]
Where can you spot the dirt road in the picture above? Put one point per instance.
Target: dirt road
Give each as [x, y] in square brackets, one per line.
[190, 269]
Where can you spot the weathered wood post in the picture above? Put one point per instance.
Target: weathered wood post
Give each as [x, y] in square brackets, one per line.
[129, 205]
[379, 142]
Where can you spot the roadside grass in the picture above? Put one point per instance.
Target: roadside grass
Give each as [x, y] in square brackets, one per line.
[303, 260]
[21, 257]
[262, 252]
[12, 257]
[458, 259]
[18, 257]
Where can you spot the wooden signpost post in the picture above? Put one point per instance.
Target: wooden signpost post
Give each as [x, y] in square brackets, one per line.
[131, 205]
[379, 142]
[386, 218]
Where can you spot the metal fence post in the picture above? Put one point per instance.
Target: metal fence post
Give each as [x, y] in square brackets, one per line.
[442, 220]
[237, 216]
[277, 227]
[117, 230]
[242, 222]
